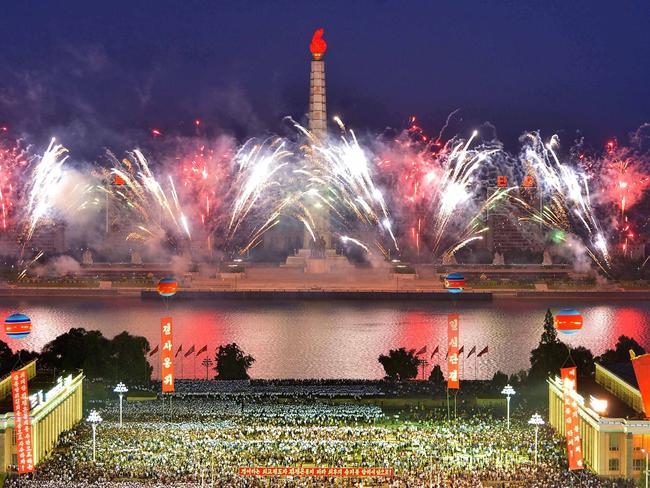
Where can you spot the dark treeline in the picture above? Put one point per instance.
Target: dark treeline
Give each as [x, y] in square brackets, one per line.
[122, 358]
[546, 359]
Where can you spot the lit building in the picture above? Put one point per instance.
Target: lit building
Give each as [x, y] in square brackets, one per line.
[55, 406]
[612, 424]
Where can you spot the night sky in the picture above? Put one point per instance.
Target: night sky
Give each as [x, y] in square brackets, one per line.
[101, 74]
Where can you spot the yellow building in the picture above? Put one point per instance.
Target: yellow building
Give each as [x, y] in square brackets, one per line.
[55, 406]
[612, 423]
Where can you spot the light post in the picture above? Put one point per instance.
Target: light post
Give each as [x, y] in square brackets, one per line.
[646, 466]
[94, 418]
[508, 391]
[536, 420]
[120, 389]
[207, 362]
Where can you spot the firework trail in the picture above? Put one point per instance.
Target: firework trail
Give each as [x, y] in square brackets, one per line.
[259, 170]
[148, 209]
[44, 185]
[13, 163]
[206, 184]
[621, 177]
[566, 189]
[434, 188]
[341, 176]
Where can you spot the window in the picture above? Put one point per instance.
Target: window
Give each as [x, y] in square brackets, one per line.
[613, 442]
[613, 464]
[637, 464]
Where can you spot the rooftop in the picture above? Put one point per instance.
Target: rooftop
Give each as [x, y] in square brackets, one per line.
[44, 381]
[616, 408]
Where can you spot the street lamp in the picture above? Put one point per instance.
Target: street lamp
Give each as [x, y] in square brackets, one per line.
[120, 389]
[646, 466]
[94, 418]
[207, 362]
[536, 420]
[508, 391]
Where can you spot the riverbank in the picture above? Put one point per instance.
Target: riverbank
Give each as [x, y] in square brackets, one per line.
[327, 293]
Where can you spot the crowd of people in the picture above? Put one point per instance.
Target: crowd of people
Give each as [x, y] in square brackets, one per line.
[281, 388]
[204, 441]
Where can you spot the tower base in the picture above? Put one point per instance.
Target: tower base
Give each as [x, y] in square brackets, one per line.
[329, 263]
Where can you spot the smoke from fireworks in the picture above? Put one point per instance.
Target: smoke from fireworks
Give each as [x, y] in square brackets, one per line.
[409, 192]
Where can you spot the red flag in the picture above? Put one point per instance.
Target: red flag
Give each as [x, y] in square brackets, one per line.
[471, 351]
[189, 351]
[571, 419]
[453, 380]
[155, 350]
[202, 350]
[641, 366]
[166, 360]
[180, 349]
[421, 351]
[435, 351]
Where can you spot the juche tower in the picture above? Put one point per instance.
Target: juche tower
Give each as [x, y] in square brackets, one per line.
[318, 127]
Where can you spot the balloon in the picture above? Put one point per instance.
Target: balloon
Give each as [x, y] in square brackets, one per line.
[455, 282]
[18, 326]
[568, 321]
[167, 287]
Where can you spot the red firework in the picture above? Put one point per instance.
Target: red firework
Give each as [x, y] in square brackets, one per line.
[13, 162]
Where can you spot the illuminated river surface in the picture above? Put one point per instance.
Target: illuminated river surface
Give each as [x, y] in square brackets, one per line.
[333, 339]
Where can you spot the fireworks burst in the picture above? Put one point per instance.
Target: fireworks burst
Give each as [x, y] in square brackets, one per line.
[45, 182]
[150, 209]
[13, 163]
[566, 189]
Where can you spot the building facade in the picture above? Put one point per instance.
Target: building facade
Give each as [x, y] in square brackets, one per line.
[612, 445]
[52, 411]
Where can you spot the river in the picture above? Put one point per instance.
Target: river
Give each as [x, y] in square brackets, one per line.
[333, 339]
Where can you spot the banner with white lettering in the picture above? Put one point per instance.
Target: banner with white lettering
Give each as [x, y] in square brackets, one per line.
[571, 418]
[453, 380]
[22, 422]
[166, 355]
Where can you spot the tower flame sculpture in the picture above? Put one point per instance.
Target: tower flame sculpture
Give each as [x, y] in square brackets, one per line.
[317, 98]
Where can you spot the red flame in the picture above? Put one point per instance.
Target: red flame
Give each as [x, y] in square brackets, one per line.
[318, 44]
[611, 145]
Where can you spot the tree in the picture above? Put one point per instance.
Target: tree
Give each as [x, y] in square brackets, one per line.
[10, 361]
[436, 377]
[6, 358]
[129, 356]
[499, 380]
[621, 352]
[80, 349]
[549, 336]
[400, 364]
[232, 363]
[547, 358]
[584, 361]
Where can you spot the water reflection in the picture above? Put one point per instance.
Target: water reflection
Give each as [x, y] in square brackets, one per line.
[335, 339]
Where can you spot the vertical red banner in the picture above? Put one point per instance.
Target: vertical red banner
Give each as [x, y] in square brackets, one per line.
[453, 380]
[571, 418]
[22, 422]
[642, 372]
[166, 355]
